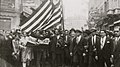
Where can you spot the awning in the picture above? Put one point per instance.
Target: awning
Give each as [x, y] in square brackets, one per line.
[117, 22]
[111, 25]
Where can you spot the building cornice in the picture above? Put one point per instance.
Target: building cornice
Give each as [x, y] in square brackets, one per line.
[9, 14]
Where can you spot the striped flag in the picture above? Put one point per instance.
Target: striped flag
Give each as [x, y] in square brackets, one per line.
[40, 16]
[55, 18]
[56, 25]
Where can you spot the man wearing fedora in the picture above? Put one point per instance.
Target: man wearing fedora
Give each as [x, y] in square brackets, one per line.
[116, 49]
[93, 43]
[104, 50]
[78, 49]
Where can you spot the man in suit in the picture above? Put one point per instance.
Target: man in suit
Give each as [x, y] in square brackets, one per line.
[78, 49]
[59, 48]
[66, 47]
[6, 50]
[116, 50]
[53, 43]
[72, 36]
[104, 50]
[93, 42]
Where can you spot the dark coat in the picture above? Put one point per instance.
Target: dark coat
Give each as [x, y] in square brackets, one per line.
[106, 52]
[71, 44]
[79, 48]
[92, 47]
[68, 40]
[116, 53]
[6, 47]
[53, 42]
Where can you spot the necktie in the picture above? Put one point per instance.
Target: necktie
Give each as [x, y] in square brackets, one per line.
[116, 40]
[77, 40]
[115, 43]
[102, 42]
[92, 40]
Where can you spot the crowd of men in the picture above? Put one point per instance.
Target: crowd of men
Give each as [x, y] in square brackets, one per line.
[90, 48]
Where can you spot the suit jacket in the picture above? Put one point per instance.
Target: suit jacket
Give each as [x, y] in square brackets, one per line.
[79, 47]
[93, 48]
[6, 46]
[116, 51]
[106, 51]
[67, 41]
[53, 42]
[71, 44]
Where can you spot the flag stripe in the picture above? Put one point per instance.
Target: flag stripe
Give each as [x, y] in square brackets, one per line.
[57, 21]
[37, 13]
[42, 23]
[55, 11]
[40, 19]
[52, 18]
[37, 18]
[51, 21]
[55, 25]
[55, 15]
[46, 19]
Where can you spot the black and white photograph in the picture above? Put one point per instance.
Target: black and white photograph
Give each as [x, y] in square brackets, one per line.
[59, 33]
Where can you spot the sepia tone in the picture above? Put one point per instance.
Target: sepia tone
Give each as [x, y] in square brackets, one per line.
[59, 33]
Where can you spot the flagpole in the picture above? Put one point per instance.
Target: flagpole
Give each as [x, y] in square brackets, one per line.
[63, 16]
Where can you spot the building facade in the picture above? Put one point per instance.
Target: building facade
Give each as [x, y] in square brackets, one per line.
[104, 13]
[10, 11]
[9, 14]
[29, 5]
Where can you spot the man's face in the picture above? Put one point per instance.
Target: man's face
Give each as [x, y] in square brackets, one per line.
[103, 33]
[72, 33]
[44, 33]
[93, 33]
[37, 32]
[78, 33]
[66, 32]
[13, 31]
[52, 33]
[47, 33]
[117, 33]
[56, 32]
[24, 34]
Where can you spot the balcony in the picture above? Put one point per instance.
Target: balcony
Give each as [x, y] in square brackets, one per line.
[117, 11]
[110, 12]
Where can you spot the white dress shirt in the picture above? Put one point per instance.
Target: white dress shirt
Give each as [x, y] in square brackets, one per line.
[93, 39]
[78, 39]
[102, 41]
